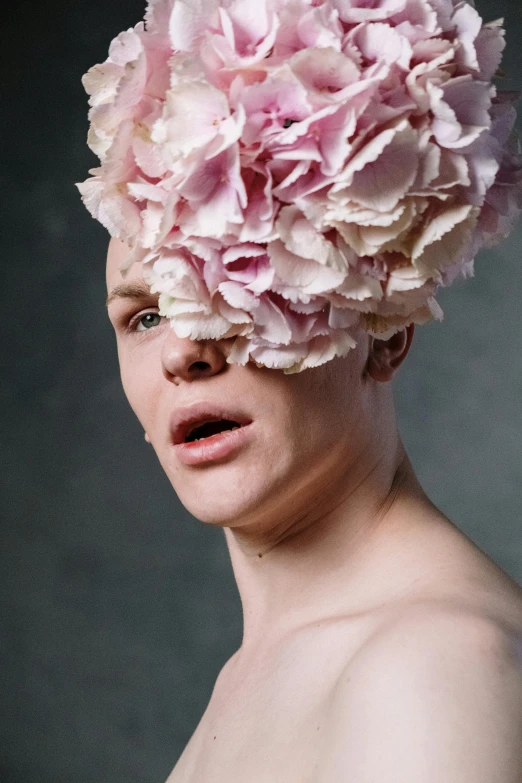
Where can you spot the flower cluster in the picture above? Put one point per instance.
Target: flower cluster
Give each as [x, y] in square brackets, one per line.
[287, 170]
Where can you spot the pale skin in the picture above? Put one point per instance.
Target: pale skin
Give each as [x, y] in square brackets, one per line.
[380, 644]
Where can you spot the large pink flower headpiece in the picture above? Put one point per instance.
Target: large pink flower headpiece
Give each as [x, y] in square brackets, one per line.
[289, 169]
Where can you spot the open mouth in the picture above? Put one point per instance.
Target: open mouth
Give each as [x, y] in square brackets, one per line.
[210, 428]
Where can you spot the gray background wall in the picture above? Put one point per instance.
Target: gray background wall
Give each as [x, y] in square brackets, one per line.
[118, 608]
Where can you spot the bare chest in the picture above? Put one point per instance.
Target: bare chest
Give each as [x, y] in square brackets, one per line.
[268, 723]
[270, 714]
[253, 739]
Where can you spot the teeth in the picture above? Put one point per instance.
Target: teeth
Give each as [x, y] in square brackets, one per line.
[230, 430]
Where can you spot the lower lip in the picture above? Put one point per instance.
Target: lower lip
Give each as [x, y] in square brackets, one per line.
[217, 447]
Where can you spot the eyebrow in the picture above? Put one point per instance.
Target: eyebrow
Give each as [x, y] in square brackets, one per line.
[137, 290]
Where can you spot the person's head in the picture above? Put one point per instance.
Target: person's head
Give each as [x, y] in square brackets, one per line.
[310, 428]
[300, 182]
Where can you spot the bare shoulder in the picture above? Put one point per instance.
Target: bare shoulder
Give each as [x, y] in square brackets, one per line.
[438, 633]
[436, 693]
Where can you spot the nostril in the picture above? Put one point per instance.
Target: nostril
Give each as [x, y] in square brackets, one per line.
[200, 366]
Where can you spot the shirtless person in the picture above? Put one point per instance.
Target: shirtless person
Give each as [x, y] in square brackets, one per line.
[295, 180]
[380, 644]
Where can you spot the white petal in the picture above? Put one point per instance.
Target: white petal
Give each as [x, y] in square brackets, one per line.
[444, 239]
[300, 272]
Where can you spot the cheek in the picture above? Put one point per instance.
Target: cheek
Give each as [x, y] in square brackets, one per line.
[141, 387]
[330, 405]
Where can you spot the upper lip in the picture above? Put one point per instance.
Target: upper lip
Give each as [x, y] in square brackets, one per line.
[183, 420]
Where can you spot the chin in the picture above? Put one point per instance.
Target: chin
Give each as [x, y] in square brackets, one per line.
[223, 498]
[226, 512]
[234, 492]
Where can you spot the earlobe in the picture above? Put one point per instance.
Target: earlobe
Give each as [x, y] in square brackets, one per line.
[386, 356]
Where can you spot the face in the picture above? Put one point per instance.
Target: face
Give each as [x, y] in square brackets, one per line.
[306, 428]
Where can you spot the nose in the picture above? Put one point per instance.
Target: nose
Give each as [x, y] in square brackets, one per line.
[187, 360]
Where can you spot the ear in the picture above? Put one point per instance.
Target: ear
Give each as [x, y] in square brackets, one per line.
[386, 356]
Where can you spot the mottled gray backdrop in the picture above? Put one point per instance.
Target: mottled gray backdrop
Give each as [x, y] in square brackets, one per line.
[118, 608]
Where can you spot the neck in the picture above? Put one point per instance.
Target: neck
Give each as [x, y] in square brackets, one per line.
[338, 555]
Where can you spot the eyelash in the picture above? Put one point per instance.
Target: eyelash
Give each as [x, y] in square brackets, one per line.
[134, 321]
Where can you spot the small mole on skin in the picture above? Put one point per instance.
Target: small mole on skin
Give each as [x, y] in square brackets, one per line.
[260, 555]
[214, 738]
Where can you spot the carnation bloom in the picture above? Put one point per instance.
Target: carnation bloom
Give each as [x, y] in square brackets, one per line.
[288, 170]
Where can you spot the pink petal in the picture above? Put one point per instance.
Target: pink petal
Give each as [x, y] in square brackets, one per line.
[126, 47]
[444, 238]
[195, 114]
[323, 349]
[188, 21]
[468, 23]
[367, 10]
[380, 42]
[489, 46]
[270, 323]
[301, 238]
[461, 108]
[277, 357]
[238, 296]
[325, 71]
[215, 189]
[234, 315]
[384, 170]
[320, 26]
[311, 277]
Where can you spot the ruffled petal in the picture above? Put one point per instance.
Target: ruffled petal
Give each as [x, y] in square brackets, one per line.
[290, 171]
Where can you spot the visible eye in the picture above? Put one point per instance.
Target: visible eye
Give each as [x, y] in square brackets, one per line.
[145, 322]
